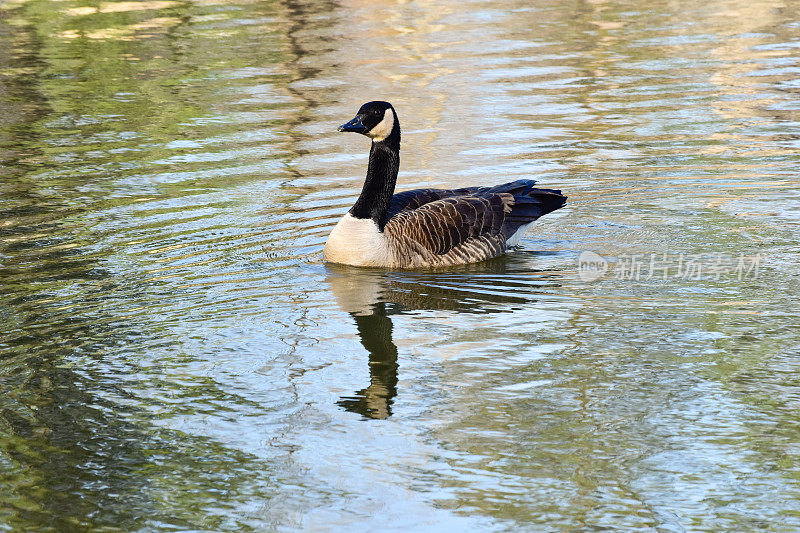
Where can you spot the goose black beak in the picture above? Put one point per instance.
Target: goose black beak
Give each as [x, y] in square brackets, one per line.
[354, 125]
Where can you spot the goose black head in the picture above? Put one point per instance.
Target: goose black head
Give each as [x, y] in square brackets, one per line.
[376, 120]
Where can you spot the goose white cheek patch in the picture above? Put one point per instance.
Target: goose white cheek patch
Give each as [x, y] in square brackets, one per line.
[383, 128]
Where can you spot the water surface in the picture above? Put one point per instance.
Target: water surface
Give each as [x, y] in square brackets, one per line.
[175, 355]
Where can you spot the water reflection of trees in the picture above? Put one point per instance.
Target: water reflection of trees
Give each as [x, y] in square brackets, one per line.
[85, 440]
[79, 448]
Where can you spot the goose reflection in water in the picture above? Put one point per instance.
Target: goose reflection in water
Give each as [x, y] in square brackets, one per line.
[373, 296]
[375, 331]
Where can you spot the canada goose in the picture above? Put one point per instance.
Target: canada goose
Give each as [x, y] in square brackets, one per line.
[427, 227]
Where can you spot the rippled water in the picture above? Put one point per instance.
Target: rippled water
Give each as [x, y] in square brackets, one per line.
[175, 355]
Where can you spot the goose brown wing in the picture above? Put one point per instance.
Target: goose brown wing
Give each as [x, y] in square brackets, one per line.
[415, 198]
[441, 225]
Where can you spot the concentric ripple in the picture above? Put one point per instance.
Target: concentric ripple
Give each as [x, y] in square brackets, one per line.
[175, 355]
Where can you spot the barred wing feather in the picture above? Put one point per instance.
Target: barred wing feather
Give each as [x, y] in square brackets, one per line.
[443, 227]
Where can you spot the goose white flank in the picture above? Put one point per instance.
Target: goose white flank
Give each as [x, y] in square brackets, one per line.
[427, 227]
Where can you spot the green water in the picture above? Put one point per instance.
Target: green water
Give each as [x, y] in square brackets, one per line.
[174, 355]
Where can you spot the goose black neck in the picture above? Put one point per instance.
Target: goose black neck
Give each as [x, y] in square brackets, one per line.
[384, 162]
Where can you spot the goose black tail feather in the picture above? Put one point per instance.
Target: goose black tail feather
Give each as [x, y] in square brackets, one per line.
[530, 206]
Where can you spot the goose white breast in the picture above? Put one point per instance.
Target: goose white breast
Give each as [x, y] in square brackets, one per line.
[357, 241]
